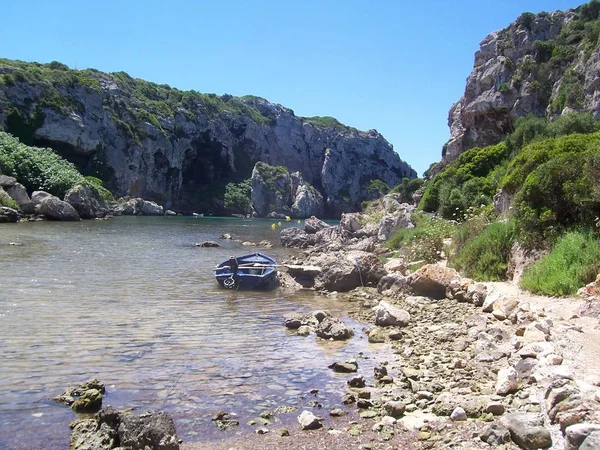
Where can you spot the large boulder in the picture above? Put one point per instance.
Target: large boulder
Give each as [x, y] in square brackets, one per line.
[335, 329]
[390, 315]
[351, 222]
[297, 238]
[151, 429]
[148, 208]
[343, 271]
[87, 202]
[139, 207]
[52, 207]
[6, 181]
[110, 429]
[390, 223]
[19, 194]
[432, 280]
[312, 225]
[527, 430]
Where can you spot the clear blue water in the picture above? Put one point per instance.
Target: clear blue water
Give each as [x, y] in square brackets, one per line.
[132, 301]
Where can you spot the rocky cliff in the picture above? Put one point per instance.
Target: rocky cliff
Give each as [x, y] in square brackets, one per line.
[543, 64]
[181, 148]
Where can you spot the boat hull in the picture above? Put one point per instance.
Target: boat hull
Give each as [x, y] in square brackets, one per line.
[255, 271]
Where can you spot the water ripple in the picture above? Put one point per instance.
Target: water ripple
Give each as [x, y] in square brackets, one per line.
[132, 302]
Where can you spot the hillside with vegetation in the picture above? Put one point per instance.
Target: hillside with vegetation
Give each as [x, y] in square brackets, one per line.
[538, 190]
[186, 150]
[545, 65]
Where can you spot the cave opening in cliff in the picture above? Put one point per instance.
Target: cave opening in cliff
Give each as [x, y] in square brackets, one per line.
[204, 172]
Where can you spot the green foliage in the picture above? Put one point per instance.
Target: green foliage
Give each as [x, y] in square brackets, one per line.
[96, 183]
[485, 257]
[37, 168]
[238, 196]
[504, 88]
[327, 122]
[572, 263]
[425, 242]
[378, 188]
[570, 92]
[530, 128]
[6, 200]
[469, 181]
[407, 189]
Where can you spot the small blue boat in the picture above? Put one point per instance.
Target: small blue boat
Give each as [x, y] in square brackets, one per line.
[254, 271]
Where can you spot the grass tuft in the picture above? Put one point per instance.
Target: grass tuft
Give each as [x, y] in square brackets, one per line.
[572, 263]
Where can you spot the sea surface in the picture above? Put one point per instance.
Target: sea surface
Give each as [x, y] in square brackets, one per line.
[132, 301]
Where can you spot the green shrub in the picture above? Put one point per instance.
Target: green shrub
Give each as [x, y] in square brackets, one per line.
[37, 168]
[425, 242]
[378, 188]
[469, 181]
[407, 189]
[327, 122]
[96, 183]
[572, 263]
[6, 200]
[238, 196]
[555, 196]
[485, 258]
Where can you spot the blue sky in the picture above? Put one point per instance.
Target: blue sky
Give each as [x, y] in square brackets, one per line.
[394, 66]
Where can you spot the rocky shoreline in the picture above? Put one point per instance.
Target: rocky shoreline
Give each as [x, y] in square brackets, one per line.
[476, 364]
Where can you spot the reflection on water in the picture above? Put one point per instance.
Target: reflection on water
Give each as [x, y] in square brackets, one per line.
[132, 302]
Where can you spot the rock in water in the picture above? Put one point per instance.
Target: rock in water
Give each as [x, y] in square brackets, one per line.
[151, 429]
[331, 328]
[308, 421]
[87, 202]
[52, 207]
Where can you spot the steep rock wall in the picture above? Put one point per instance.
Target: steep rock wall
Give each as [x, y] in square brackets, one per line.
[543, 64]
[181, 148]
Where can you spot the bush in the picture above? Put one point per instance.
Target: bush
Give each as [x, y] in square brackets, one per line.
[485, 258]
[37, 168]
[469, 181]
[555, 196]
[407, 189]
[378, 188]
[572, 263]
[6, 200]
[425, 242]
[238, 197]
[96, 183]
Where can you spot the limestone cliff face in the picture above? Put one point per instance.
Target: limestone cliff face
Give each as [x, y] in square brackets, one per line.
[181, 148]
[542, 64]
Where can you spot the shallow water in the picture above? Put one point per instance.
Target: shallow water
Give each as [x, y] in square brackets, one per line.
[132, 301]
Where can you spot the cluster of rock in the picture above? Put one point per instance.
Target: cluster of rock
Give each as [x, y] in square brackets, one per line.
[80, 202]
[591, 294]
[497, 363]
[344, 253]
[110, 429]
[322, 323]
[501, 88]
[87, 397]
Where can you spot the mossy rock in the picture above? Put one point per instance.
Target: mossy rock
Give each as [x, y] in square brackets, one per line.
[90, 401]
